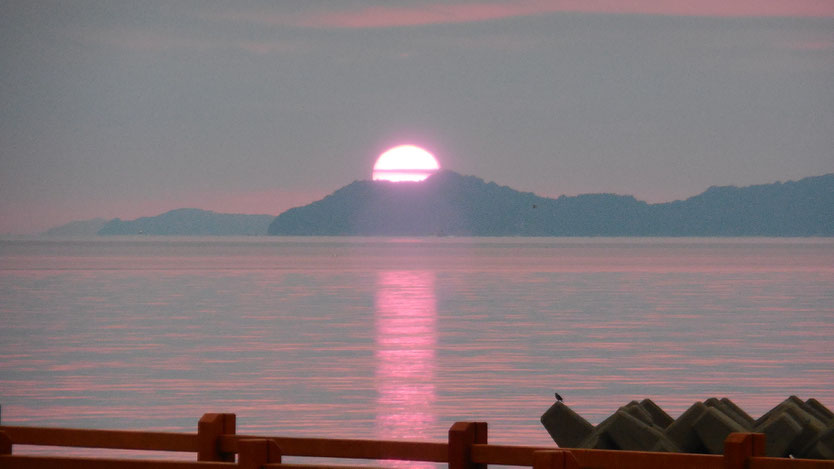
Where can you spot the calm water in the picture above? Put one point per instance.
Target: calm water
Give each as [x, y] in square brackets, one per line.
[399, 338]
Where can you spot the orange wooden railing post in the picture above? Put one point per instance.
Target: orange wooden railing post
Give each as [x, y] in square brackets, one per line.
[759, 441]
[209, 429]
[5, 444]
[739, 447]
[554, 459]
[254, 453]
[462, 436]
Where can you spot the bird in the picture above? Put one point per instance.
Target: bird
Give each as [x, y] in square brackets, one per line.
[558, 397]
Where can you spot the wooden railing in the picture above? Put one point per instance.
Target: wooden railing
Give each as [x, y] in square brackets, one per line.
[217, 445]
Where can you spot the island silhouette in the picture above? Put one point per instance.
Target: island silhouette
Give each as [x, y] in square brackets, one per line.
[451, 204]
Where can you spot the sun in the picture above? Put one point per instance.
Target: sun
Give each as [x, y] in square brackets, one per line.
[405, 163]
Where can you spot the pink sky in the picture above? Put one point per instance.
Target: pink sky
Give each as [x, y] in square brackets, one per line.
[260, 108]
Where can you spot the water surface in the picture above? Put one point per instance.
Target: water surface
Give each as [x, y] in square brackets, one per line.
[399, 338]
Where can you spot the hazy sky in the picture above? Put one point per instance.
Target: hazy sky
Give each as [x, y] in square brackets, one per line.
[128, 108]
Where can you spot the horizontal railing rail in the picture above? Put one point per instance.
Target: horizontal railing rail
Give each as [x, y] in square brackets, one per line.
[348, 448]
[525, 456]
[105, 439]
[218, 446]
[782, 463]
[67, 462]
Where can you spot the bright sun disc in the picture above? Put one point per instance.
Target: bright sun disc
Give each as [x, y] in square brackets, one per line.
[405, 163]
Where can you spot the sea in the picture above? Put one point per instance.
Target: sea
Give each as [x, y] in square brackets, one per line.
[398, 338]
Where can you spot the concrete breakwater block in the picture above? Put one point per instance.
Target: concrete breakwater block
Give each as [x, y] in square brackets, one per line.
[790, 401]
[566, 427]
[632, 427]
[822, 447]
[637, 411]
[780, 431]
[738, 410]
[726, 407]
[812, 430]
[713, 427]
[630, 433]
[682, 431]
[821, 411]
[659, 416]
[802, 429]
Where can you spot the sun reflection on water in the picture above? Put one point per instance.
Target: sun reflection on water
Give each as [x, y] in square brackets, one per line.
[406, 336]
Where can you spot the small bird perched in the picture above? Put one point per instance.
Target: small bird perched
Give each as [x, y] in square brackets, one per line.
[558, 397]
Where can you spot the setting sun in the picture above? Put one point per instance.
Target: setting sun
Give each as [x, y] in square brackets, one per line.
[405, 163]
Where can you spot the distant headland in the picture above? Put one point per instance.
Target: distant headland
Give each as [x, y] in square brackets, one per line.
[191, 222]
[451, 204]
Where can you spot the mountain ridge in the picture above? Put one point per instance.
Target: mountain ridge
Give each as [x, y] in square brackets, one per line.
[449, 203]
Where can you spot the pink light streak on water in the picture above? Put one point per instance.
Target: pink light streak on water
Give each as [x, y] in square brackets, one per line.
[406, 337]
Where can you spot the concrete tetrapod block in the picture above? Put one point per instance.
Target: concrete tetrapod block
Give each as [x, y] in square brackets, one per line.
[634, 409]
[713, 427]
[818, 412]
[780, 430]
[739, 411]
[791, 399]
[822, 412]
[631, 433]
[810, 427]
[566, 427]
[682, 431]
[665, 445]
[800, 413]
[729, 412]
[794, 427]
[822, 447]
[811, 430]
[600, 439]
[659, 416]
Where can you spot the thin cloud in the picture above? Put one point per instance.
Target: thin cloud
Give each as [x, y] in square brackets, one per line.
[436, 13]
[426, 14]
